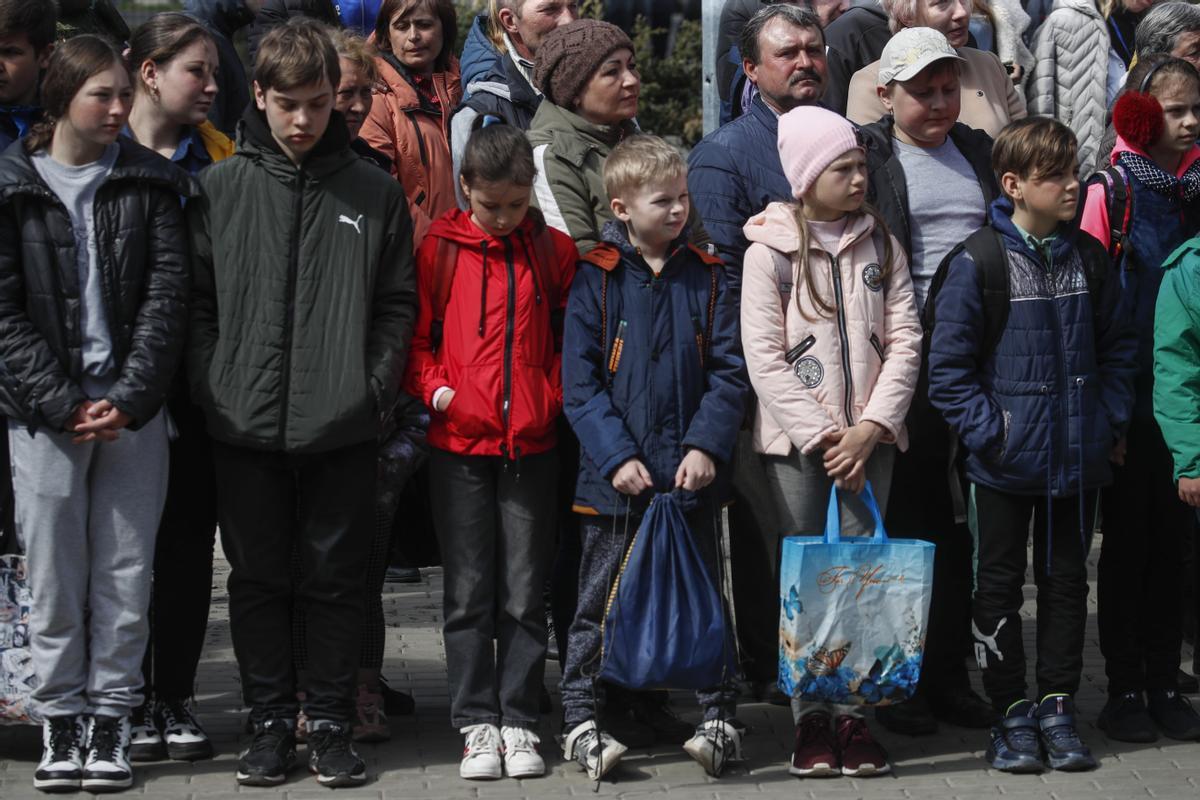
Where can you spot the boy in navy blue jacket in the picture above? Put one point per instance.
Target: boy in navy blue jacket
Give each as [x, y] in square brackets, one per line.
[26, 36]
[1039, 388]
[654, 386]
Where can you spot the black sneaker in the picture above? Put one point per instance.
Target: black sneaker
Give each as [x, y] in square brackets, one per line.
[961, 707]
[1056, 727]
[61, 767]
[185, 739]
[1013, 745]
[270, 755]
[145, 739]
[910, 718]
[1125, 719]
[332, 757]
[1174, 714]
[107, 768]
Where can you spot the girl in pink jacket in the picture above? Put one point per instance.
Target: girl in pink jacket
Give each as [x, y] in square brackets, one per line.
[833, 346]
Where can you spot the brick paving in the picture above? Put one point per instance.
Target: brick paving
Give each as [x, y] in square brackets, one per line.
[421, 760]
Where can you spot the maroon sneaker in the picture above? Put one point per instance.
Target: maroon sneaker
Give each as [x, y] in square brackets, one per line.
[815, 755]
[862, 756]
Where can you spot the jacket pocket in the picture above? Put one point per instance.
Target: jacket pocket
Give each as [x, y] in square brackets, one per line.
[877, 346]
[470, 413]
[806, 344]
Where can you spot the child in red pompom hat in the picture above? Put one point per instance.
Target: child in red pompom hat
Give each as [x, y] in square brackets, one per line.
[1143, 207]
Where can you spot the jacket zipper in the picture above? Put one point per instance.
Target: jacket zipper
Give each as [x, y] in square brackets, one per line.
[848, 405]
[510, 313]
[1061, 358]
[290, 293]
[106, 281]
[420, 140]
[877, 345]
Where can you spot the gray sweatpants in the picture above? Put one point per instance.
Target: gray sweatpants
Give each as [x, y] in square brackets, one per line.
[799, 488]
[87, 516]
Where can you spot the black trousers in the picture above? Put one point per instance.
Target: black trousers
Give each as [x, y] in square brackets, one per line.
[1141, 571]
[921, 506]
[183, 562]
[1060, 545]
[322, 505]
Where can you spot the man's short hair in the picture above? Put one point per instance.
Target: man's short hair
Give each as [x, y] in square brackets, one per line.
[34, 18]
[1163, 24]
[794, 15]
[641, 161]
[1034, 147]
[299, 53]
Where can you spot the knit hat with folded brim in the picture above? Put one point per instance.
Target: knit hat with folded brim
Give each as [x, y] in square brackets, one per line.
[570, 56]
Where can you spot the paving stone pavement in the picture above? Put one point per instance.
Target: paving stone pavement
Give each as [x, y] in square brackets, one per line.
[421, 760]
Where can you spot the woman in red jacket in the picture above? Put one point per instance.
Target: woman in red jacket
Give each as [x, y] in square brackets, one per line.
[486, 357]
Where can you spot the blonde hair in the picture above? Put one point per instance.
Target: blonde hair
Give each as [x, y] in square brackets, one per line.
[357, 50]
[640, 161]
[802, 266]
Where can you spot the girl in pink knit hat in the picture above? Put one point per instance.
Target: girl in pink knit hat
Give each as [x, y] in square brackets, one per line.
[833, 346]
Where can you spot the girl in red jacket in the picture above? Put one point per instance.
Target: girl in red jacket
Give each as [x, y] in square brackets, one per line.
[485, 357]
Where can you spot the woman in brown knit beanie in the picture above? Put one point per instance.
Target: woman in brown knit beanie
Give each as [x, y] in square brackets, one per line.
[587, 73]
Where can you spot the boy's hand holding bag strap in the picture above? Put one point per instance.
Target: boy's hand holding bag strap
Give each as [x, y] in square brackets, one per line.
[853, 612]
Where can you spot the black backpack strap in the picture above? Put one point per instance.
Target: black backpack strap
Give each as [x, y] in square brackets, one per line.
[1118, 203]
[1096, 267]
[987, 251]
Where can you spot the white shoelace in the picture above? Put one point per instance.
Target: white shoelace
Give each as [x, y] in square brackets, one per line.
[481, 740]
[520, 740]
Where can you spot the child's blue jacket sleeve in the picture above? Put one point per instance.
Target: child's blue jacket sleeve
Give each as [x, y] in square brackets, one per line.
[955, 388]
[715, 425]
[586, 399]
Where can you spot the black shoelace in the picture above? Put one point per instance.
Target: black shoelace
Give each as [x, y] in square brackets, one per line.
[331, 741]
[177, 717]
[269, 737]
[104, 739]
[62, 739]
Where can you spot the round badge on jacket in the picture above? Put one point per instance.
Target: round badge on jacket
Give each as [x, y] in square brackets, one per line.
[809, 371]
[872, 275]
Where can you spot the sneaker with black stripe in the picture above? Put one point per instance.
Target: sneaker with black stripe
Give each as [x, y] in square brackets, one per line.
[61, 767]
[270, 755]
[107, 767]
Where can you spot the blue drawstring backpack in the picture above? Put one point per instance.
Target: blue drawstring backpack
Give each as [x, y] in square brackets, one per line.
[664, 624]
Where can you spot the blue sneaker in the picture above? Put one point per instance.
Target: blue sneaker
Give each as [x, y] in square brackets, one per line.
[1056, 725]
[1014, 746]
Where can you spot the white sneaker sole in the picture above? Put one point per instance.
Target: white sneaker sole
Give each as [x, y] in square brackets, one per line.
[479, 772]
[247, 779]
[98, 785]
[866, 771]
[57, 784]
[525, 772]
[817, 771]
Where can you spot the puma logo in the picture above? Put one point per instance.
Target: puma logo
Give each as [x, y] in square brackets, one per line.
[353, 222]
[988, 642]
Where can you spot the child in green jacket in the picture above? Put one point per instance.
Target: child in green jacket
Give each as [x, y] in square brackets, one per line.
[1177, 365]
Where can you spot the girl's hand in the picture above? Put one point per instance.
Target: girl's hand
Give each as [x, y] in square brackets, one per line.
[696, 471]
[444, 400]
[102, 422]
[852, 450]
[632, 478]
[1189, 491]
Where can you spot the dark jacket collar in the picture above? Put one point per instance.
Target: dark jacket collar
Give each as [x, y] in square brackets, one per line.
[1000, 217]
[254, 140]
[617, 234]
[134, 163]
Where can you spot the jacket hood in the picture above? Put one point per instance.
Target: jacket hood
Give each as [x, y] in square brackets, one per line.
[332, 152]
[505, 82]
[396, 81]
[556, 118]
[456, 225]
[480, 58]
[775, 227]
[226, 16]
[134, 162]
[1123, 146]
[1085, 7]
[873, 6]
[616, 233]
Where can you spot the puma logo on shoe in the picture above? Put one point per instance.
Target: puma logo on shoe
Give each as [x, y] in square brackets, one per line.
[353, 222]
[987, 641]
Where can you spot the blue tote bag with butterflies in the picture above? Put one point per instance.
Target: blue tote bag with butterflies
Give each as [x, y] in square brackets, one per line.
[665, 625]
[853, 613]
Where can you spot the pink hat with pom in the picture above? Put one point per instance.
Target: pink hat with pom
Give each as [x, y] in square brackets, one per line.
[810, 139]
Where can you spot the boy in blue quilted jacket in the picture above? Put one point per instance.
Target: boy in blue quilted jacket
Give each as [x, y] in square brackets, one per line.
[1038, 387]
[654, 386]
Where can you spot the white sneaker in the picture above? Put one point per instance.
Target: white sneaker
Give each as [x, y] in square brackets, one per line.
[107, 766]
[61, 767]
[521, 756]
[481, 755]
[596, 752]
[715, 744]
[145, 740]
